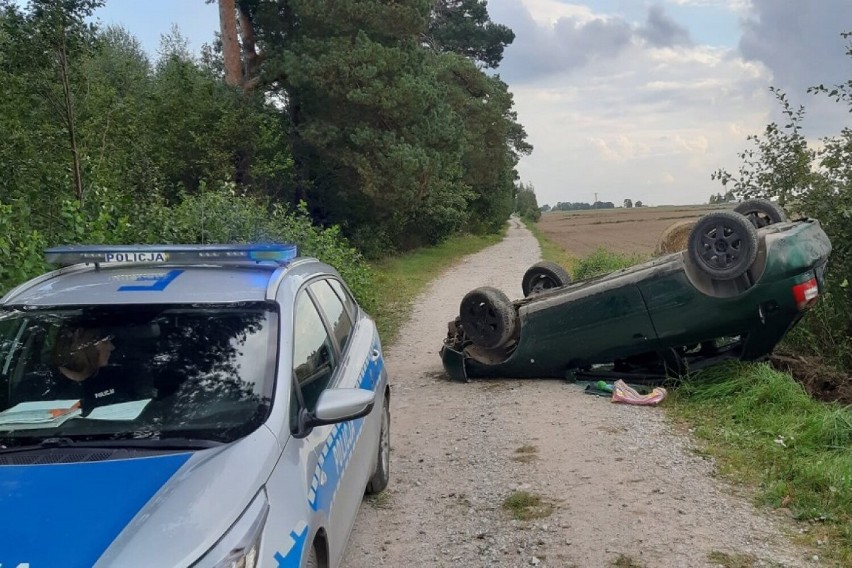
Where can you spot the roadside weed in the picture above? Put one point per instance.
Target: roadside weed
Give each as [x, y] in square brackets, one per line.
[379, 500]
[603, 261]
[624, 561]
[526, 506]
[525, 454]
[732, 560]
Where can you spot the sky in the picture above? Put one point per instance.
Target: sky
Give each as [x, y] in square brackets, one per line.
[628, 99]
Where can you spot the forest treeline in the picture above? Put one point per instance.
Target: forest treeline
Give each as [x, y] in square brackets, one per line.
[387, 122]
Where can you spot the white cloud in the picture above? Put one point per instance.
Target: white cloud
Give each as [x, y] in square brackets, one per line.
[612, 113]
[640, 126]
[548, 12]
[739, 6]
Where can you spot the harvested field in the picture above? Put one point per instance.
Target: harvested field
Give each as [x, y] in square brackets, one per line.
[630, 231]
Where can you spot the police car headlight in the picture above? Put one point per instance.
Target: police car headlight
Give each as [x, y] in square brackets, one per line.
[240, 547]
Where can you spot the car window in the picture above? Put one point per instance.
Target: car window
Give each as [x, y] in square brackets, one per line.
[331, 305]
[313, 354]
[200, 371]
[346, 297]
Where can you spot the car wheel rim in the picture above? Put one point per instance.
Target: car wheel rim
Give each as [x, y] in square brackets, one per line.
[485, 320]
[541, 284]
[721, 246]
[758, 219]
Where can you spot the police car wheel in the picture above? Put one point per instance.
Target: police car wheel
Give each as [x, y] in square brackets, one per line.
[313, 560]
[381, 476]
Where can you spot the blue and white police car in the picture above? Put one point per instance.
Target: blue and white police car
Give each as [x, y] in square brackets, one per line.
[177, 406]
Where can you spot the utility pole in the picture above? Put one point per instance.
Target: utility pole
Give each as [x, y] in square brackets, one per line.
[596, 197]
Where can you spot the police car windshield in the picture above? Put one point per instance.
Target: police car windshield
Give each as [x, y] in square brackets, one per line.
[142, 371]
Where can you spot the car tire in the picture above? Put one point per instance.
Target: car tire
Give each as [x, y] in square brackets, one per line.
[543, 276]
[723, 245]
[487, 317]
[761, 212]
[313, 559]
[381, 476]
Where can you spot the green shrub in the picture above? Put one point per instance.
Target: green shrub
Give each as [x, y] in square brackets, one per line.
[212, 216]
[827, 330]
[20, 247]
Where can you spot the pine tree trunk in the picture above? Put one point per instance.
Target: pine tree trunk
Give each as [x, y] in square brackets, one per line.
[230, 45]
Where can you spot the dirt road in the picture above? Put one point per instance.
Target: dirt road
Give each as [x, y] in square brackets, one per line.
[623, 483]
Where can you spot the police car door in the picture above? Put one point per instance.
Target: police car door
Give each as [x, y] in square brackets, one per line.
[352, 443]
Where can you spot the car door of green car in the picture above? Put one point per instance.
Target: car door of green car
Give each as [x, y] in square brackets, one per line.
[596, 322]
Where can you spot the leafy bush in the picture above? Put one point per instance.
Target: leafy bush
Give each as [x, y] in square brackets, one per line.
[20, 248]
[213, 215]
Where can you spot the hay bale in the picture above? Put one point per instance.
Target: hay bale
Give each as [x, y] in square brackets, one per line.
[674, 238]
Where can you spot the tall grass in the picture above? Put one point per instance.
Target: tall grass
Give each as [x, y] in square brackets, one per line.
[765, 429]
[602, 262]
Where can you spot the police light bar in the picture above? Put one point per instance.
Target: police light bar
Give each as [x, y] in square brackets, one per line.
[159, 254]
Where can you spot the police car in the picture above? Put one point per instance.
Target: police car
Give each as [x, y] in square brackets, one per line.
[175, 406]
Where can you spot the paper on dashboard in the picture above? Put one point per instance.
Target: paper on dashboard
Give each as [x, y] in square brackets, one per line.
[119, 411]
[45, 413]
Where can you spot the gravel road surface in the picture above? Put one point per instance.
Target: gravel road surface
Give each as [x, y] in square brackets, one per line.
[623, 482]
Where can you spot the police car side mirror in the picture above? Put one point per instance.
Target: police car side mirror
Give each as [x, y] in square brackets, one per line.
[338, 405]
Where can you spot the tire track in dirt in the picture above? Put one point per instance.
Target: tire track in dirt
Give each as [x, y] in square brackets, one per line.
[622, 482]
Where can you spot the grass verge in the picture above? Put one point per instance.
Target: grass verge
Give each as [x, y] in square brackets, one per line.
[399, 280]
[765, 431]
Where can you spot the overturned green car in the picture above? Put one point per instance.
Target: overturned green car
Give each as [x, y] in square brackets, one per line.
[745, 279]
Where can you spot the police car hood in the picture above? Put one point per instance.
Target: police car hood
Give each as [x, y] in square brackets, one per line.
[162, 510]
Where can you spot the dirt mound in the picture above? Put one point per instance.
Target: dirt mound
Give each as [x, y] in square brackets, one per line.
[822, 382]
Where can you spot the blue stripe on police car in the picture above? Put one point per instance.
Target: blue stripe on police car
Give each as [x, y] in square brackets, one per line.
[292, 554]
[80, 507]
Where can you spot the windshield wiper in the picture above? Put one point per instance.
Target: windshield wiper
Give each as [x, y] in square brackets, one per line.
[171, 443]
